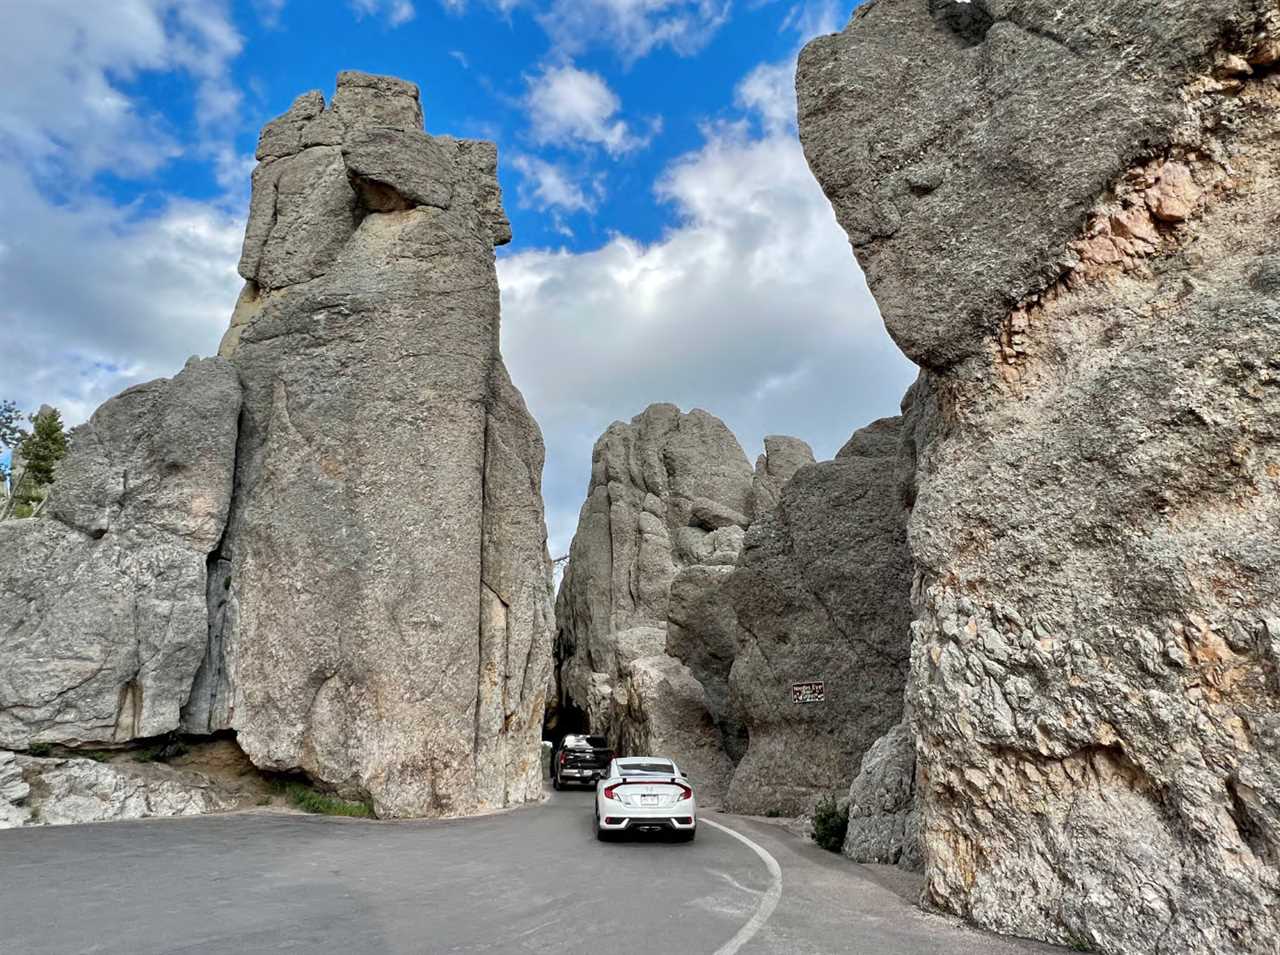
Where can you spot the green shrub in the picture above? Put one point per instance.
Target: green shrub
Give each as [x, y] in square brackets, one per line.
[773, 813]
[830, 823]
[309, 800]
[40, 749]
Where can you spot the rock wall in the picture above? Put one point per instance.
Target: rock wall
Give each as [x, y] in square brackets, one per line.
[329, 539]
[645, 637]
[103, 621]
[821, 591]
[1068, 217]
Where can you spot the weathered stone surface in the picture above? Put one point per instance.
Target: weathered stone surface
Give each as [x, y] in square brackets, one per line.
[702, 633]
[884, 818]
[1096, 525]
[667, 714]
[783, 457]
[993, 94]
[14, 791]
[103, 617]
[380, 605]
[822, 592]
[63, 791]
[660, 527]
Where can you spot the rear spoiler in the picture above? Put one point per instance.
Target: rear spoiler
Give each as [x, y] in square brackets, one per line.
[649, 779]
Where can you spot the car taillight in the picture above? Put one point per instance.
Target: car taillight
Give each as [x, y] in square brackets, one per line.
[685, 793]
[563, 756]
[608, 791]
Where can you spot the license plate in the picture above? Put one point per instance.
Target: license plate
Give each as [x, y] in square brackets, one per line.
[648, 800]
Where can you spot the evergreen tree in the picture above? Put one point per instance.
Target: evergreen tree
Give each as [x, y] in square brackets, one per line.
[11, 435]
[39, 453]
[10, 425]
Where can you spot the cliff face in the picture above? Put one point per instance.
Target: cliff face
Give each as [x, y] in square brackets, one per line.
[1070, 221]
[332, 534]
[821, 592]
[102, 604]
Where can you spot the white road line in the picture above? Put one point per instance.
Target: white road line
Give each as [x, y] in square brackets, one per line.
[768, 901]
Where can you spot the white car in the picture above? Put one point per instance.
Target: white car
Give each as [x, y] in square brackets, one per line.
[645, 794]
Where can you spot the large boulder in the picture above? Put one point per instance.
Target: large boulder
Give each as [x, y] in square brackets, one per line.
[1069, 217]
[643, 629]
[380, 603]
[103, 620]
[822, 593]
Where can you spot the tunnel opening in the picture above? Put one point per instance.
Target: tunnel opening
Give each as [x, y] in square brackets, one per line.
[563, 718]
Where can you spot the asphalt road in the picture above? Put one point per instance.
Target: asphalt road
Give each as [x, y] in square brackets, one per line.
[532, 880]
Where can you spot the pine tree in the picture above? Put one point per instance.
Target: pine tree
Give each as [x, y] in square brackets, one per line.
[10, 425]
[39, 453]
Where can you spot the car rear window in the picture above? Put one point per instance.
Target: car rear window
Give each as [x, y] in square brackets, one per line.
[647, 767]
[586, 742]
[599, 742]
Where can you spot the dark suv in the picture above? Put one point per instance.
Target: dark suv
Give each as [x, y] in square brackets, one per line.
[581, 759]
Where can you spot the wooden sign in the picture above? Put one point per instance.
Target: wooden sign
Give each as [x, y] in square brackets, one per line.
[814, 691]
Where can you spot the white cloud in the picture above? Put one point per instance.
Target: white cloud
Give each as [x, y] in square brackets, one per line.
[769, 91]
[99, 296]
[72, 59]
[569, 106]
[545, 185]
[751, 307]
[633, 28]
[396, 12]
[96, 300]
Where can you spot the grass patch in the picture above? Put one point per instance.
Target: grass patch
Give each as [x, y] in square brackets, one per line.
[309, 800]
[97, 755]
[830, 823]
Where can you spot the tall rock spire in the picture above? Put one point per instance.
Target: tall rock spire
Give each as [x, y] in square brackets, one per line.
[380, 603]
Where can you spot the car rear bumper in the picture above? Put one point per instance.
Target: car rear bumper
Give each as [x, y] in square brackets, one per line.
[637, 820]
[581, 775]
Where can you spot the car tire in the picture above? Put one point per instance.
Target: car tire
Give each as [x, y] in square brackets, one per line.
[555, 783]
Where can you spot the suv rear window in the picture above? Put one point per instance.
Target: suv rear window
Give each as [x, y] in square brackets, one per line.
[586, 742]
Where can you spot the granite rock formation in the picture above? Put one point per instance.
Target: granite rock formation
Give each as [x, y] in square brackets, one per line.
[103, 620]
[821, 591]
[62, 791]
[1068, 217]
[645, 636]
[330, 538]
[384, 618]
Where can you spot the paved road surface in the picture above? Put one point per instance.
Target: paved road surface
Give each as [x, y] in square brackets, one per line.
[532, 880]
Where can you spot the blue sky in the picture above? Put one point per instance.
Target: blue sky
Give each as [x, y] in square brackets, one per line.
[670, 244]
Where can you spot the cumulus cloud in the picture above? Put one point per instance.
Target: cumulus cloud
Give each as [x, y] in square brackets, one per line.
[546, 185]
[769, 92]
[73, 59]
[751, 307]
[100, 296]
[97, 300]
[568, 106]
[632, 28]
